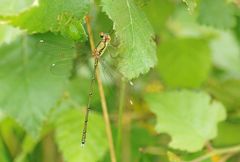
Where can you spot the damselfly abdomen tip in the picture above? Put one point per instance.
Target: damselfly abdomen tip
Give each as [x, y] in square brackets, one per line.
[82, 144]
[131, 83]
[131, 102]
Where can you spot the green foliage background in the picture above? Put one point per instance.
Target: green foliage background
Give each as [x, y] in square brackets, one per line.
[181, 58]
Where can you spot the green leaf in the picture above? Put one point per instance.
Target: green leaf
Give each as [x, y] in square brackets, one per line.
[11, 135]
[173, 157]
[228, 134]
[228, 58]
[68, 136]
[72, 28]
[192, 4]
[190, 118]
[144, 139]
[137, 50]
[216, 13]
[28, 87]
[48, 15]
[237, 28]
[184, 62]
[158, 12]
[28, 146]
[10, 7]
[5, 154]
[227, 91]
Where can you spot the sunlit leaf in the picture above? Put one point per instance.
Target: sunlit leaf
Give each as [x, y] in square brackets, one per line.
[68, 137]
[28, 87]
[137, 50]
[190, 118]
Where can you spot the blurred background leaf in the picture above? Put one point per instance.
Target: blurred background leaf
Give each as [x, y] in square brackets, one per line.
[190, 120]
[184, 62]
[69, 124]
[209, 10]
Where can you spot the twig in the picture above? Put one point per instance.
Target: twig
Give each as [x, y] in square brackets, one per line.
[102, 96]
[233, 149]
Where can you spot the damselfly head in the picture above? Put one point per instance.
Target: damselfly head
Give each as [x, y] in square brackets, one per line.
[106, 37]
[101, 34]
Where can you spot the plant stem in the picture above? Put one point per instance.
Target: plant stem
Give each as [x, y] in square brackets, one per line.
[120, 117]
[233, 149]
[102, 96]
[214, 158]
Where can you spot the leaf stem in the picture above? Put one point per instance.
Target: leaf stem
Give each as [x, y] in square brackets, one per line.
[120, 117]
[102, 96]
[233, 149]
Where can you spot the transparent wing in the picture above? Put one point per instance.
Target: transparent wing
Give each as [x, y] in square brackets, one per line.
[114, 80]
[108, 72]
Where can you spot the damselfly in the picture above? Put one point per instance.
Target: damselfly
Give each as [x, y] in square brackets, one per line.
[64, 53]
[97, 53]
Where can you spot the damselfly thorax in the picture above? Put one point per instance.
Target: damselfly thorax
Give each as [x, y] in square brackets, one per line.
[102, 45]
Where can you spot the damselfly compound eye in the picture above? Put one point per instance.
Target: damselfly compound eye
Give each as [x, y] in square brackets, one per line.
[101, 34]
[53, 64]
